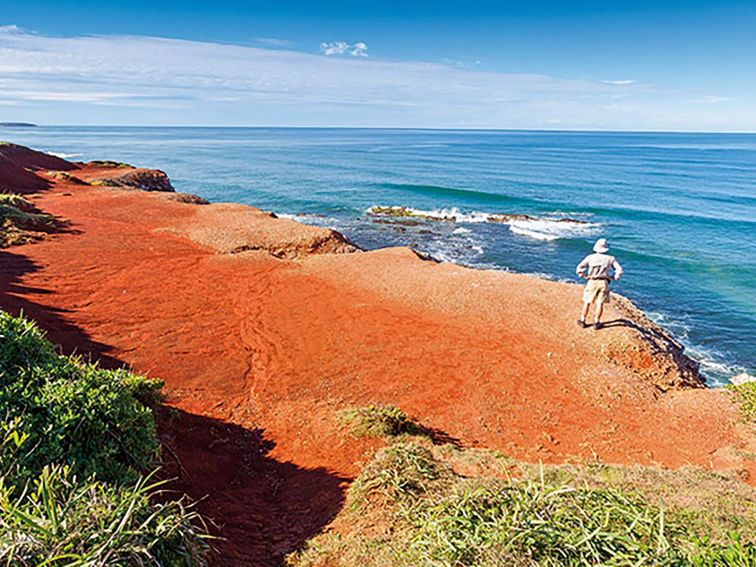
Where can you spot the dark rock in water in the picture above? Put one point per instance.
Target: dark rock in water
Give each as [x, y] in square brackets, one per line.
[406, 215]
[137, 178]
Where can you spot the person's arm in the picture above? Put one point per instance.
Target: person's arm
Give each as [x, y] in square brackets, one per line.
[582, 267]
[618, 271]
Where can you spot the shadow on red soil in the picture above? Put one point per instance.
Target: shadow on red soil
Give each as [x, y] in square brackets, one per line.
[263, 508]
[14, 298]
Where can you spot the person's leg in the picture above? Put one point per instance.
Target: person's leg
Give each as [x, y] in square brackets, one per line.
[600, 300]
[589, 296]
[584, 312]
[599, 309]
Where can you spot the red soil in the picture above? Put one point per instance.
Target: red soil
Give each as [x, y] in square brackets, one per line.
[259, 352]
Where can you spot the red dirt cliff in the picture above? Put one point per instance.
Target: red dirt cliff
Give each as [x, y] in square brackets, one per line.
[262, 328]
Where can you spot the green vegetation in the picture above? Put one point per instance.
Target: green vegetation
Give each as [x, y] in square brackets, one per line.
[411, 507]
[73, 413]
[403, 471]
[21, 221]
[378, 421]
[746, 396]
[75, 443]
[110, 163]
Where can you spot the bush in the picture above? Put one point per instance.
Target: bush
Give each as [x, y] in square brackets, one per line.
[73, 413]
[73, 441]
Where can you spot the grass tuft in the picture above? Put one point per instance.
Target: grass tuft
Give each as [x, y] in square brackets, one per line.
[378, 420]
[402, 470]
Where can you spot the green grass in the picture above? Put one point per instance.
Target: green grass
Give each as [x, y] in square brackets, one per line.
[77, 444]
[59, 520]
[401, 471]
[378, 420]
[746, 397]
[410, 508]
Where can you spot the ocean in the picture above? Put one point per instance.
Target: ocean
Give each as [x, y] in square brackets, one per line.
[679, 209]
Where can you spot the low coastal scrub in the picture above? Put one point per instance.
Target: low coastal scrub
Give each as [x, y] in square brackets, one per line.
[378, 420]
[746, 397]
[410, 506]
[111, 163]
[20, 221]
[75, 443]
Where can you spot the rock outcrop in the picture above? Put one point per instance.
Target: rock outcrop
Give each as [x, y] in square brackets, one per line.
[137, 178]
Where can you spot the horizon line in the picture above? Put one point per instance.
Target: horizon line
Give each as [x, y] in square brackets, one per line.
[8, 125]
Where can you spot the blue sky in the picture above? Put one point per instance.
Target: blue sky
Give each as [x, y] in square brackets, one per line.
[668, 65]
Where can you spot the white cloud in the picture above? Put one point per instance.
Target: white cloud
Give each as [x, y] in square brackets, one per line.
[710, 99]
[149, 80]
[359, 49]
[620, 83]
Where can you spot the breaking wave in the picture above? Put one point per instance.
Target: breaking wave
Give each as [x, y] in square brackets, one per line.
[63, 155]
[548, 227]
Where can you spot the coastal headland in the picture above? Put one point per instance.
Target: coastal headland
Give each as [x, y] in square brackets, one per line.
[264, 328]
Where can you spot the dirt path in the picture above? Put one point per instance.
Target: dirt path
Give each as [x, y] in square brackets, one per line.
[258, 353]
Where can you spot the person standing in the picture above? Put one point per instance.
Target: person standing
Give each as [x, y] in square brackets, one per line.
[599, 269]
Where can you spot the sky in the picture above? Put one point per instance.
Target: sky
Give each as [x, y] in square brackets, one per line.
[567, 65]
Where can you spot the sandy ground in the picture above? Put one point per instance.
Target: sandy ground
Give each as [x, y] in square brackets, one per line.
[262, 329]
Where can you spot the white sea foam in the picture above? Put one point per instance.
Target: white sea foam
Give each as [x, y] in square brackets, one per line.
[64, 155]
[552, 226]
[549, 229]
[713, 364]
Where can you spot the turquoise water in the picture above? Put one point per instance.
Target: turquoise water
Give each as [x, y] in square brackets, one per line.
[678, 209]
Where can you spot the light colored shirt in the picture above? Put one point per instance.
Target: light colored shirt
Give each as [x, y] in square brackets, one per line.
[599, 267]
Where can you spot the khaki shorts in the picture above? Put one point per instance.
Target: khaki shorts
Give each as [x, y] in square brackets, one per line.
[596, 289]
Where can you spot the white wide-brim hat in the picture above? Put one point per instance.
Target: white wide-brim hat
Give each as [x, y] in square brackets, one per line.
[601, 246]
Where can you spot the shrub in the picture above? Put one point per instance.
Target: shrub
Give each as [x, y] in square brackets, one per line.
[73, 441]
[73, 413]
[378, 421]
[22, 345]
